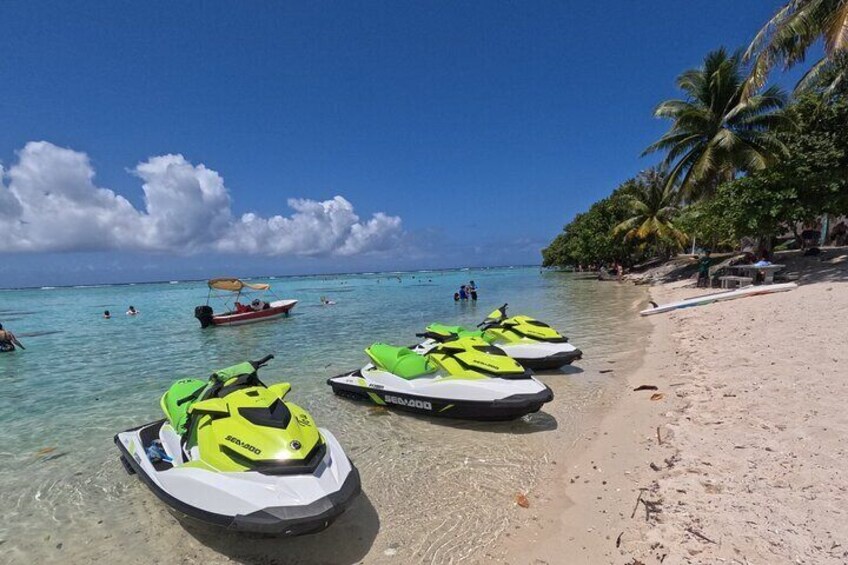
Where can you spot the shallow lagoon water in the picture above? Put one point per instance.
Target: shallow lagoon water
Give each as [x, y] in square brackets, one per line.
[435, 491]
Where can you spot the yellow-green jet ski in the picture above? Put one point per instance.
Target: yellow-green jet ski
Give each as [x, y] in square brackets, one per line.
[464, 378]
[534, 344]
[235, 453]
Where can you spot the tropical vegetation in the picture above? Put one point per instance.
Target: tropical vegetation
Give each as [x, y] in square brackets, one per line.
[788, 36]
[740, 160]
[716, 133]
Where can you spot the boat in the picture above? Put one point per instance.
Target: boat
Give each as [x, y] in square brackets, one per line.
[750, 290]
[235, 453]
[465, 378]
[230, 291]
[532, 343]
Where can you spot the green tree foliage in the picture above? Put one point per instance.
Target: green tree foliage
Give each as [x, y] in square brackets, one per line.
[717, 133]
[791, 32]
[653, 204]
[705, 223]
[811, 181]
[588, 239]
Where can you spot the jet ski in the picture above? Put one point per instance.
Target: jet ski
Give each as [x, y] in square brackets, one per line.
[235, 453]
[534, 344]
[466, 378]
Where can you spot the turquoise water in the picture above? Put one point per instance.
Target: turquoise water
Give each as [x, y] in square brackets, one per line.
[435, 492]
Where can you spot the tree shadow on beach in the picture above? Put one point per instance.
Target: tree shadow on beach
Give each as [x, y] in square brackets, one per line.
[566, 370]
[830, 265]
[346, 541]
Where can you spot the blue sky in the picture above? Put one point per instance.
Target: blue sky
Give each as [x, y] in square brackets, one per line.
[482, 126]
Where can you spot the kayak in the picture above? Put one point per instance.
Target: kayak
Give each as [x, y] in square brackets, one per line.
[719, 297]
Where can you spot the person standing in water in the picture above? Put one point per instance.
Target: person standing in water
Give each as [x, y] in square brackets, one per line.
[472, 290]
[8, 341]
[106, 314]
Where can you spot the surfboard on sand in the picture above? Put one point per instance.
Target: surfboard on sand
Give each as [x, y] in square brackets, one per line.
[744, 292]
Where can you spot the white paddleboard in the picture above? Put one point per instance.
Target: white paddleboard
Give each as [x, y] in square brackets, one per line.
[750, 290]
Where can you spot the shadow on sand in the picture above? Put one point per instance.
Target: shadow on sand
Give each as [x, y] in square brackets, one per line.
[566, 370]
[346, 541]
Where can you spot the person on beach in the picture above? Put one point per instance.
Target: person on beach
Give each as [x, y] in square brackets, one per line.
[472, 290]
[764, 259]
[704, 270]
[456, 297]
[132, 311]
[463, 294]
[107, 315]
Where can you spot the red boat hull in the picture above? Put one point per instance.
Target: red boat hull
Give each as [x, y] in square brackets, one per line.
[276, 310]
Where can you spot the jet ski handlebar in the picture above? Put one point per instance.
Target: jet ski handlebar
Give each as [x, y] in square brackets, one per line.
[261, 362]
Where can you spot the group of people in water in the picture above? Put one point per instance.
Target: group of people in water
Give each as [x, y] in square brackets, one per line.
[466, 291]
[131, 311]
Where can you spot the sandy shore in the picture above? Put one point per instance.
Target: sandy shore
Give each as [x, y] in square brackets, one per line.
[741, 458]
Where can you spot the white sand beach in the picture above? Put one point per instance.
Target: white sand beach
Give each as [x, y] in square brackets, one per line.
[739, 457]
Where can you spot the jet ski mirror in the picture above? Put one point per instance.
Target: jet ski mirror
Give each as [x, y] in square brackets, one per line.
[215, 406]
[280, 390]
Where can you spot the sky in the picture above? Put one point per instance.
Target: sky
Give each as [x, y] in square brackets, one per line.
[160, 140]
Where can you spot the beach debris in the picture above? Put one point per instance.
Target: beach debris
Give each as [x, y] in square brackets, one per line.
[655, 467]
[378, 411]
[698, 534]
[638, 500]
[521, 500]
[618, 540]
[657, 396]
[45, 451]
[645, 387]
[602, 371]
[651, 507]
[659, 439]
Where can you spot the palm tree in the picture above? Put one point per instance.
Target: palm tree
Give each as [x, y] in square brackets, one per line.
[716, 132]
[789, 34]
[653, 203]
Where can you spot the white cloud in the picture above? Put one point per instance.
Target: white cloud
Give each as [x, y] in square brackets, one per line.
[50, 203]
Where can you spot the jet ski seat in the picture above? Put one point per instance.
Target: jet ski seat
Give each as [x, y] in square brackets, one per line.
[400, 361]
[442, 332]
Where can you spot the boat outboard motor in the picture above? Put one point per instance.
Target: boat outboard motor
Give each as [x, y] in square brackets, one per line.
[204, 314]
